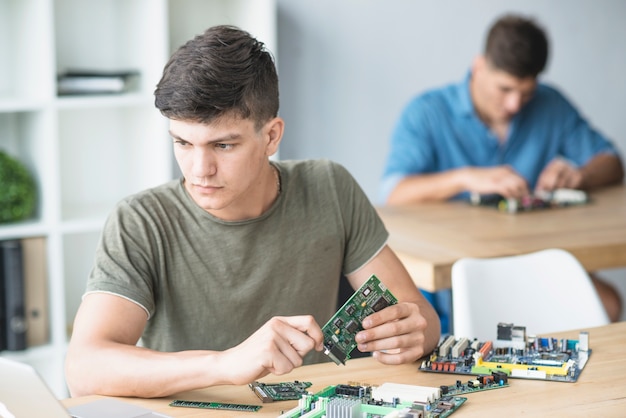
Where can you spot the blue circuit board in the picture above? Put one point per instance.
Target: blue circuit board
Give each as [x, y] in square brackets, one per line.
[513, 353]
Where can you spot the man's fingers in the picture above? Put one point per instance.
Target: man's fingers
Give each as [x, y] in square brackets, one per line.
[307, 325]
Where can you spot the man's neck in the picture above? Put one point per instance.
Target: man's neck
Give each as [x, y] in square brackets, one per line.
[499, 128]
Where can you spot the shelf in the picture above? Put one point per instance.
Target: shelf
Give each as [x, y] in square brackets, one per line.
[112, 35]
[12, 104]
[94, 101]
[88, 152]
[24, 229]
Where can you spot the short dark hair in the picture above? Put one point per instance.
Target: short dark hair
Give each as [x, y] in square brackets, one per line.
[223, 71]
[517, 45]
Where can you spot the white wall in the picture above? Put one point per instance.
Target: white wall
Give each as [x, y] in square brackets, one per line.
[347, 67]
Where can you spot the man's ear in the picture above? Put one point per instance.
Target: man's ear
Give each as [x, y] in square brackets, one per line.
[479, 63]
[274, 130]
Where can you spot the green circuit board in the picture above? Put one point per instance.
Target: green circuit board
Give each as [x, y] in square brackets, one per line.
[215, 405]
[361, 401]
[341, 329]
[283, 391]
[495, 380]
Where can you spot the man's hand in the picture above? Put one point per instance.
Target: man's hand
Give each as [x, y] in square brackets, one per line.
[277, 347]
[395, 334]
[559, 174]
[502, 180]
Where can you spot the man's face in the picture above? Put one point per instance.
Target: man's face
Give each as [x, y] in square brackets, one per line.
[225, 163]
[498, 95]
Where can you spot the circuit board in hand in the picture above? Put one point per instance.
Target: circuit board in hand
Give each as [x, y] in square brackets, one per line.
[283, 391]
[340, 330]
[389, 399]
[513, 353]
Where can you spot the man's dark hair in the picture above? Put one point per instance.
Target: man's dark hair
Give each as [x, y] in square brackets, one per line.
[518, 46]
[223, 71]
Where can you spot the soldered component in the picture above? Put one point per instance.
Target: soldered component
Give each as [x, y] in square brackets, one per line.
[459, 347]
[444, 347]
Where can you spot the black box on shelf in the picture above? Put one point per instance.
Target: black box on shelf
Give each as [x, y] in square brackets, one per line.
[76, 82]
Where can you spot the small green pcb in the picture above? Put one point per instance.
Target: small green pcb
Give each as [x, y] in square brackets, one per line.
[216, 405]
[340, 330]
[496, 380]
[283, 391]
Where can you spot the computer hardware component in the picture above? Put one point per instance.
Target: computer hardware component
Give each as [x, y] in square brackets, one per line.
[283, 391]
[340, 330]
[515, 353]
[216, 405]
[400, 401]
[496, 380]
[538, 200]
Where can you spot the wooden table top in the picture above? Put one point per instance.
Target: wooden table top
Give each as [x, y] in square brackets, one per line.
[429, 238]
[599, 391]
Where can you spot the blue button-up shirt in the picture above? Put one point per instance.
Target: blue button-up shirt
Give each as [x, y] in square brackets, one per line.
[440, 130]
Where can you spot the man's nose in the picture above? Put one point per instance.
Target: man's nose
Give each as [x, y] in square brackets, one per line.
[513, 102]
[204, 164]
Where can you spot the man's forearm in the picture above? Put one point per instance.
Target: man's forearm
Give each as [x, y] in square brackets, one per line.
[602, 170]
[435, 187]
[135, 371]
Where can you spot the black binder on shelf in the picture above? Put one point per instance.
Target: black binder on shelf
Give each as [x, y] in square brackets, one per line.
[12, 273]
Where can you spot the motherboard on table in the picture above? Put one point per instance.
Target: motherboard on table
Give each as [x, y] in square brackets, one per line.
[513, 352]
[341, 329]
[538, 200]
[387, 400]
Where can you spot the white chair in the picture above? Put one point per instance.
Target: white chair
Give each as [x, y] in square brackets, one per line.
[545, 291]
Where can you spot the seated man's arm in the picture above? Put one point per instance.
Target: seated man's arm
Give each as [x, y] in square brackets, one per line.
[502, 180]
[400, 333]
[602, 170]
[103, 357]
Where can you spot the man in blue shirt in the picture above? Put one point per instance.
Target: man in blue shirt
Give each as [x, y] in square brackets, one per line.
[499, 131]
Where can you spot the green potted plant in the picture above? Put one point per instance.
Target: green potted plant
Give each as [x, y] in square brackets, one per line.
[17, 190]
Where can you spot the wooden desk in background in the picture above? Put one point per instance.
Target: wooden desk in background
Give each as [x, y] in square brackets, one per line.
[429, 238]
[600, 390]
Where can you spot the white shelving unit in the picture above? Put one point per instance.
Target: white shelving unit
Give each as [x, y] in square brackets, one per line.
[87, 152]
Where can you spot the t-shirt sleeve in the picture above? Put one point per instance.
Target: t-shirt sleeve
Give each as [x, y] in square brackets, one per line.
[124, 260]
[365, 232]
[580, 142]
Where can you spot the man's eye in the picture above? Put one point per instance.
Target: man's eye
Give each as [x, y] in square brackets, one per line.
[224, 146]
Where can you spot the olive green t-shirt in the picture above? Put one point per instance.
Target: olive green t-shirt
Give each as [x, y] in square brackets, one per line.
[206, 283]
